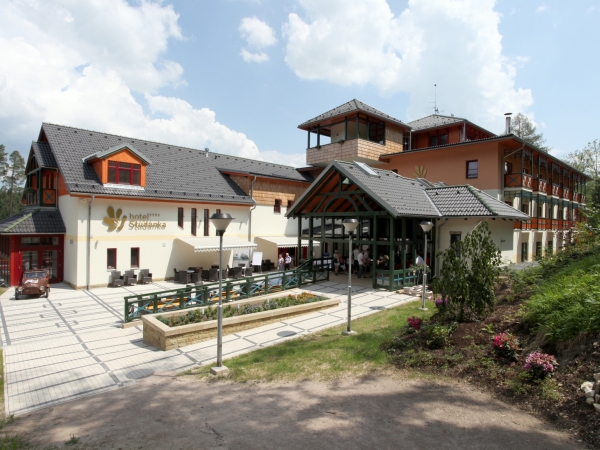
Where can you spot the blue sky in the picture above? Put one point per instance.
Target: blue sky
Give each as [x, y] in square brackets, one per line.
[239, 76]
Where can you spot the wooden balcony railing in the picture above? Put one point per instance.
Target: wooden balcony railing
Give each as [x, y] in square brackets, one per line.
[540, 185]
[518, 180]
[553, 189]
[539, 223]
[45, 197]
[566, 193]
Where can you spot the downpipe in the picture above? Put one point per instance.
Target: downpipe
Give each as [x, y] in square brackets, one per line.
[89, 239]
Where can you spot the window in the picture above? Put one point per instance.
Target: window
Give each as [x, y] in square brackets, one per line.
[549, 248]
[472, 169]
[539, 211]
[193, 219]
[525, 208]
[111, 258]
[218, 211]
[290, 203]
[277, 207]
[524, 256]
[507, 167]
[442, 139]
[180, 217]
[206, 222]
[135, 257]
[124, 173]
[538, 249]
[455, 242]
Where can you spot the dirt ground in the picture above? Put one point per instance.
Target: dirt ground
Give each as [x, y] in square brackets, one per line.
[168, 412]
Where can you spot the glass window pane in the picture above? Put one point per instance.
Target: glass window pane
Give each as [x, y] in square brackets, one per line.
[124, 165]
[112, 175]
[124, 176]
[135, 257]
[136, 166]
[111, 258]
[30, 260]
[136, 178]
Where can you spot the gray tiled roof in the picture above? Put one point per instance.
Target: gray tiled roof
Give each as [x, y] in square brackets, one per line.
[353, 106]
[402, 196]
[434, 120]
[34, 221]
[43, 154]
[176, 172]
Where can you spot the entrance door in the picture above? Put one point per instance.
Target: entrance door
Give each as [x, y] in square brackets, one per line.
[538, 249]
[524, 256]
[50, 263]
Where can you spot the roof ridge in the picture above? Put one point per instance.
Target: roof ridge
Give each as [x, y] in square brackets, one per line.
[483, 202]
[24, 217]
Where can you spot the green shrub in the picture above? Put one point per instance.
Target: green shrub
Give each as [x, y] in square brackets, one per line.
[468, 276]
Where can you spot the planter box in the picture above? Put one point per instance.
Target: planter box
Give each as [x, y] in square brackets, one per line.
[165, 337]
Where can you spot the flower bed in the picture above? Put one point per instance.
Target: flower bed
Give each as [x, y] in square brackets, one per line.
[201, 322]
[199, 315]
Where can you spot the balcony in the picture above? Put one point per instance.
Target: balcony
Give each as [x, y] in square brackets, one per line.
[540, 185]
[553, 189]
[352, 150]
[566, 193]
[539, 223]
[518, 180]
[43, 197]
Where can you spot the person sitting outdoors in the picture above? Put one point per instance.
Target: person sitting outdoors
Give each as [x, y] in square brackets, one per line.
[343, 265]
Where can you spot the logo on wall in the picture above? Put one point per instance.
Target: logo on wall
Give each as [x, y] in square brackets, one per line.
[420, 171]
[114, 221]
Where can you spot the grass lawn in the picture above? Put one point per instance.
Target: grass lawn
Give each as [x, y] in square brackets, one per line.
[324, 354]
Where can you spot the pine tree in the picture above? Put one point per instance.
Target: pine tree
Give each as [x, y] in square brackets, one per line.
[523, 128]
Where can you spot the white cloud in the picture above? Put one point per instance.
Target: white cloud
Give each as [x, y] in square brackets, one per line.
[257, 33]
[541, 8]
[455, 45]
[258, 36]
[254, 57]
[81, 63]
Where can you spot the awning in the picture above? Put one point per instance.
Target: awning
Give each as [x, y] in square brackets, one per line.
[211, 243]
[286, 241]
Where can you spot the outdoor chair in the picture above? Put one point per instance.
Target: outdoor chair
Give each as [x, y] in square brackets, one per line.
[224, 273]
[116, 279]
[248, 271]
[205, 275]
[184, 277]
[129, 278]
[195, 277]
[213, 275]
[145, 276]
[237, 273]
[175, 275]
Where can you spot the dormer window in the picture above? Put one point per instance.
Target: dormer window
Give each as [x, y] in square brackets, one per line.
[124, 173]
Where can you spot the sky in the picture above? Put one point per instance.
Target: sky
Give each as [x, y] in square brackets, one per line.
[239, 76]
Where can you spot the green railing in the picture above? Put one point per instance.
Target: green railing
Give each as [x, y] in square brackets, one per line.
[205, 294]
[400, 279]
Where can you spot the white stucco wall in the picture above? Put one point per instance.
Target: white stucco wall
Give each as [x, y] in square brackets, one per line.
[502, 234]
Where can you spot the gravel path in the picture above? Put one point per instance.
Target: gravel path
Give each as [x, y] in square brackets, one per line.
[164, 412]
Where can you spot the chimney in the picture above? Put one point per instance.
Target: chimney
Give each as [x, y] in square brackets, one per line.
[206, 150]
[508, 129]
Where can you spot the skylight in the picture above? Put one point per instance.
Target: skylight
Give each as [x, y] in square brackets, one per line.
[366, 169]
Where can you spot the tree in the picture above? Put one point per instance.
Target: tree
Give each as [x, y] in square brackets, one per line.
[13, 180]
[467, 278]
[2, 160]
[588, 161]
[523, 128]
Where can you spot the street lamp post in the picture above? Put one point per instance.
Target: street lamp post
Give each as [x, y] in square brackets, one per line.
[426, 226]
[221, 222]
[350, 225]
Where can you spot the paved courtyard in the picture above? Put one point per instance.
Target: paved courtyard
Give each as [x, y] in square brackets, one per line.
[72, 345]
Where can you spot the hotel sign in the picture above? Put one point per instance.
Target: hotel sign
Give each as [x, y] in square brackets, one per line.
[116, 221]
